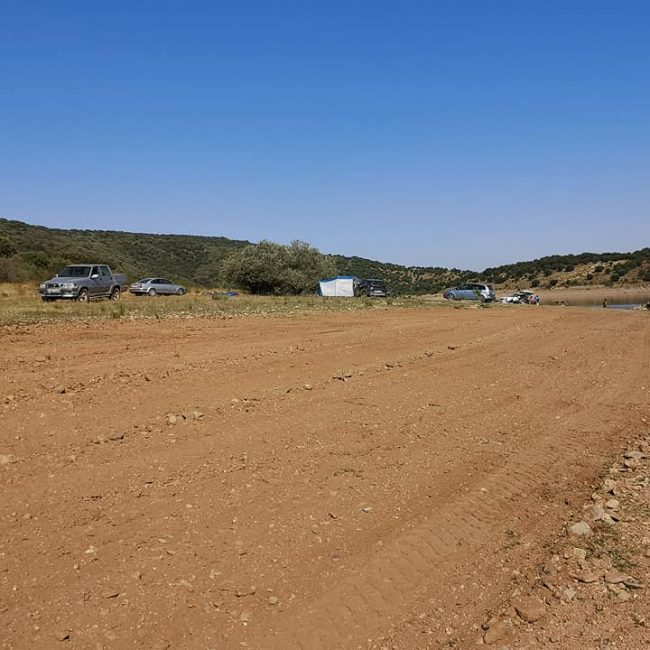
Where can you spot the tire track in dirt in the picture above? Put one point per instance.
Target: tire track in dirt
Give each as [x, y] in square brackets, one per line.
[345, 616]
[300, 431]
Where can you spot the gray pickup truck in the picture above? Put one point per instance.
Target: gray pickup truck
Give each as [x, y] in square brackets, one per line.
[83, 282]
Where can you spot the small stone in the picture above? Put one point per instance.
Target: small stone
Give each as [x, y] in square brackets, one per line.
[116, 437]
[613, 504]
[246, 616]
[497, 632]
[172, 419]
[586, 576]
[594, 513]
[197, 415]
[631, 463]
[60, 389]
[63, 635]
[609, 485]
[614, 577]
[7, 459]
[552, 566]
[241, 593]
[634, 455]
[580, 529]
[366, 509]
[621, 597]
[452, 347]
[609, 520]
[110, 593]
[273, 600]
[530, 609]
[579, 553]
[308, 387]
[632, 583]
[569, 594]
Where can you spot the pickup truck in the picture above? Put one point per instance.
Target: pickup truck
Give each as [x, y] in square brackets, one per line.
[83, 282]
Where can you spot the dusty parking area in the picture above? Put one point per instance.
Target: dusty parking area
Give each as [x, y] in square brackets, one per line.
[365, 480]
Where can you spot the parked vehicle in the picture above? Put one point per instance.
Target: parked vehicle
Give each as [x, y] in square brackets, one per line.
[510, 300]
[525, 296]
[83, 282]
[157, 287]
[372, 288]
[522, 297]
[470, 291]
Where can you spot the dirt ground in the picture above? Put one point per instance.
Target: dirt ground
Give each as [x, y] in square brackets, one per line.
[360, 480]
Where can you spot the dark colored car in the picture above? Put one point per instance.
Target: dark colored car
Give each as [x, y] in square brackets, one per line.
[373, 288]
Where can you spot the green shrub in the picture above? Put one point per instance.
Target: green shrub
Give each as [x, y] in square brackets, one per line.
[272, 269]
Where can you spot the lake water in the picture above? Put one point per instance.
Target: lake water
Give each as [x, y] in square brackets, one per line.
[620, 306]
[622, 300]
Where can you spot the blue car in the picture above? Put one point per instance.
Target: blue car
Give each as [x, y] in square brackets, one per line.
[470, 291]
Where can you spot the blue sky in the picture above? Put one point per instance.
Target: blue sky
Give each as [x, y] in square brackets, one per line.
[454, 133]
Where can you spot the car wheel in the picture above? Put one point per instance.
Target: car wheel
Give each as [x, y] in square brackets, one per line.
[180, 292]
[451, 296]
[115, 294]
[83, 296]
[151, 292]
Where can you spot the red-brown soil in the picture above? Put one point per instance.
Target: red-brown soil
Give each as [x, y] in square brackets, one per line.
[365, 480]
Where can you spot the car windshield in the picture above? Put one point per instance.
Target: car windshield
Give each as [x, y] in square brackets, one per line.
[75, 272]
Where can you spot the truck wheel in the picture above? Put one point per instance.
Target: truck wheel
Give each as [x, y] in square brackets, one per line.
[151, 292]
[83, 296]
[115, 294]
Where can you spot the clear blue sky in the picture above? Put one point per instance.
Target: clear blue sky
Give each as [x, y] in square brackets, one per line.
[450, 133]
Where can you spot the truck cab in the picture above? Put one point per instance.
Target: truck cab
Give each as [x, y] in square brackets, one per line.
[83, 282]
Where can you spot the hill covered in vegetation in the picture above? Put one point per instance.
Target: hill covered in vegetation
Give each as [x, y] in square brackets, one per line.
[34, 253]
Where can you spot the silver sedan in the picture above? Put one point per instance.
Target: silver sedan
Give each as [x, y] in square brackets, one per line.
[156, 287]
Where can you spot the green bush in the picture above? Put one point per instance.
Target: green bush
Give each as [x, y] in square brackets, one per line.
[272, 269]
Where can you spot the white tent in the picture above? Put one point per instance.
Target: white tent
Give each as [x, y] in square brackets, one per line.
[341, 286]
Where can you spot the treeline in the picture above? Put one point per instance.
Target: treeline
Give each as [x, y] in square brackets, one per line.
[34, 253]
[606, 268]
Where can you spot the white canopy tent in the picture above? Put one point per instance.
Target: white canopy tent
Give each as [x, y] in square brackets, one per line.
[339, 287]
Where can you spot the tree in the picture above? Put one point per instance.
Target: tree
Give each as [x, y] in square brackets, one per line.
[273, 269]
[7, 249]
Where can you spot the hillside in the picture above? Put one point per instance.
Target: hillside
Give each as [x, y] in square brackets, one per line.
[33, 253]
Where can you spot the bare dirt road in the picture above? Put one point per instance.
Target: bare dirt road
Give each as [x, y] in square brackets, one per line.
[366, 480]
